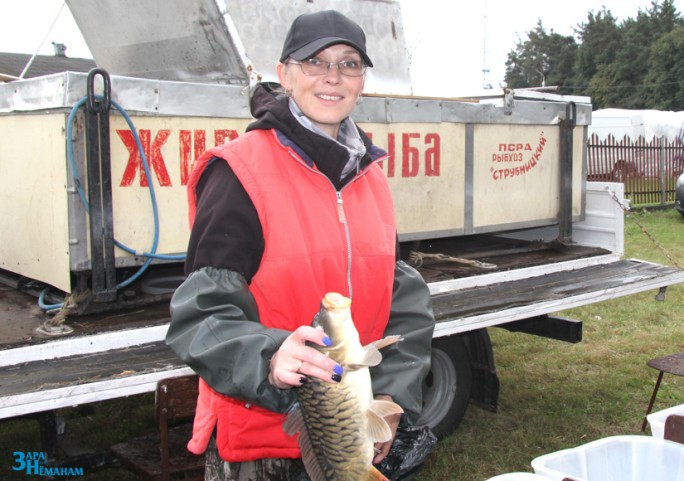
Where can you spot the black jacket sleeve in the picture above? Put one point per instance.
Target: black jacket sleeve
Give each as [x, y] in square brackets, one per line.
[405, 364]
[215, 329]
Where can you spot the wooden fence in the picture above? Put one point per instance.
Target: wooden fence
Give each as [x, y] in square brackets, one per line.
[649, 170]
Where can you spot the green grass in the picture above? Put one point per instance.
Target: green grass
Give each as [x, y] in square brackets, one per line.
[649, 191]
[94, 427]
[556, 395]
[553, 395]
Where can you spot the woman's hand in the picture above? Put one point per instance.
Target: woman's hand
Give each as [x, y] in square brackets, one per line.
[383, 449]
[294, 362]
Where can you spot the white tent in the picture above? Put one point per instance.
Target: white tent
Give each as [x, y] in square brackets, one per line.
[635, 123]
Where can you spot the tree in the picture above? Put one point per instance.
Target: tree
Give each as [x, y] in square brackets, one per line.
[600, 39]
[543, 59]
[665, 78]
[636, 64]
[665, 17]
[633, 60]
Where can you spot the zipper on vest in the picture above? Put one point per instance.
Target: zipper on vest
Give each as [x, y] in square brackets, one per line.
[343, 220]
[340, 209]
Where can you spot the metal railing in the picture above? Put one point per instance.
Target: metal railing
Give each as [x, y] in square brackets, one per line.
[649, 169]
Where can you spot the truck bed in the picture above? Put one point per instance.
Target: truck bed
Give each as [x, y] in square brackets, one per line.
[123, 353]
[469, 256]
[20, 315]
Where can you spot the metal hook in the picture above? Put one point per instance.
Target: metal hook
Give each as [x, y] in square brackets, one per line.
[99, 104]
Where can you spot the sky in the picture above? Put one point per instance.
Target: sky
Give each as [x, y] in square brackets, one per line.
[451, 41]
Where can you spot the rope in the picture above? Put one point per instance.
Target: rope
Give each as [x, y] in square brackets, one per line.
[417, 259]
[627, 209]
[55, 326]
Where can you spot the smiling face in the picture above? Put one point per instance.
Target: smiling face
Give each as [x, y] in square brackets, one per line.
[326, 99]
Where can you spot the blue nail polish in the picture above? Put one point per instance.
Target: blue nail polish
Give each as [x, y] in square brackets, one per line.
[327, 341]
[338, 369]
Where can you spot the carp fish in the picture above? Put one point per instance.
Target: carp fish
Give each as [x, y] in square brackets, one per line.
[338, 423]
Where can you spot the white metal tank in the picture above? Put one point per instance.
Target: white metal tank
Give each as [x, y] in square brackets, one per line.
[228, 41]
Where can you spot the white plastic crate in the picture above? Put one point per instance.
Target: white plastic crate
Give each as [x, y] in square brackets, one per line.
[657, 419]
[519, 477]
[623, 458]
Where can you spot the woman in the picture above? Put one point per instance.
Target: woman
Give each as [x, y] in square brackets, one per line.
[293, 209]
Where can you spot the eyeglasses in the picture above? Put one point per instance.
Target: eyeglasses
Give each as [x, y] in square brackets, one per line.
[315, 66]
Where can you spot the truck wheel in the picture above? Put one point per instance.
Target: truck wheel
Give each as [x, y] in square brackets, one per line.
[446, 390]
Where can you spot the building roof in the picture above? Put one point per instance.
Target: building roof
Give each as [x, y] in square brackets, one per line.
[12, 64]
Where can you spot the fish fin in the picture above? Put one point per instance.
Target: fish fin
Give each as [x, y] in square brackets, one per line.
[375, 475]
[378, 429]
[294, 422]
[386, 341]
[311, 463]
[370, 355]
[384, 408]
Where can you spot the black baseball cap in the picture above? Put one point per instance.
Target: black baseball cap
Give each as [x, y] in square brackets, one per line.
[312, 32]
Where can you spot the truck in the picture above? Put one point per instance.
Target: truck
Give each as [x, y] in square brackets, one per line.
[491, 196]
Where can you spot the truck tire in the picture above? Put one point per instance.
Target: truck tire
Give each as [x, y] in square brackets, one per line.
[446, 390]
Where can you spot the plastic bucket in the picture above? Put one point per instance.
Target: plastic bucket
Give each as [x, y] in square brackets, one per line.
[624, 458]
[657, 419]
[519, 477]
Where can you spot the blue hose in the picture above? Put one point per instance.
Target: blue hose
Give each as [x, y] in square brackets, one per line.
[79, 188]
[47, 307]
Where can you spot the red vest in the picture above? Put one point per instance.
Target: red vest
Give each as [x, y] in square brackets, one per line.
[316, 241]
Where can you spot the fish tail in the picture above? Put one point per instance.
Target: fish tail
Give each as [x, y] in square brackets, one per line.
[375, 475]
